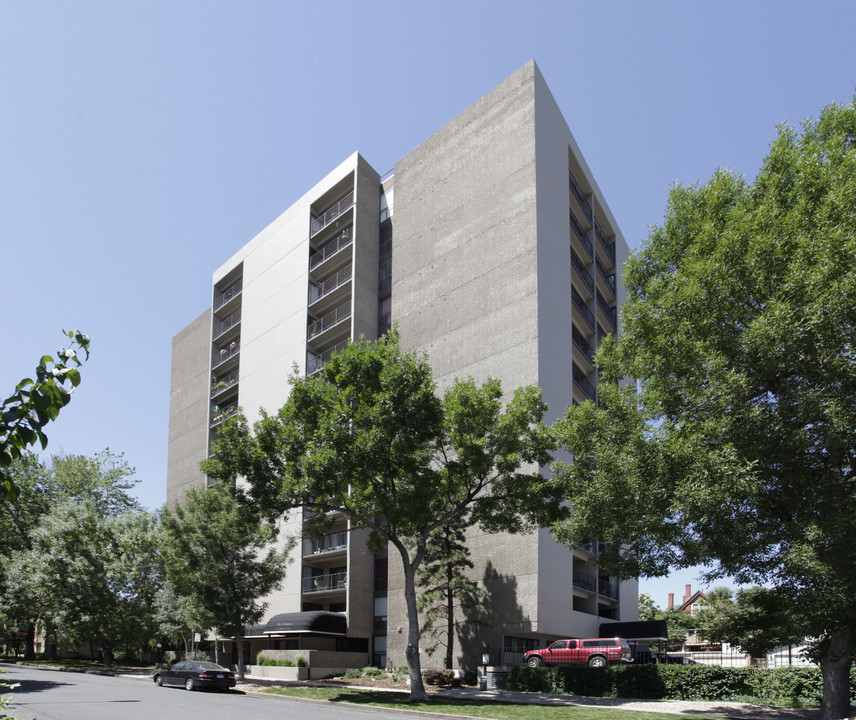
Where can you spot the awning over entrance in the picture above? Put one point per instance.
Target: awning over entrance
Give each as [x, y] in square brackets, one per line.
[317, 621]
[647, 630]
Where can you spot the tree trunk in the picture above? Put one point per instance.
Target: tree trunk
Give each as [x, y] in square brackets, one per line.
[835, 669]
[414, 665]
[450, 619]
[50, 641]
[30, 642]
[241, 668]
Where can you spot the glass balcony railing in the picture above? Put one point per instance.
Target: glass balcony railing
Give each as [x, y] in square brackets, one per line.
[585, 581]
[316, 292]
[340, 242]
[581, 199]
[230, 292]
[581, 234]
[605, 587]
[316, 362]
[329, 215]
[320, 583]
[316, 327]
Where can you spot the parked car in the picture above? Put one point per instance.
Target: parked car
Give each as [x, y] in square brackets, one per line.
[196, 675]
[596, 652]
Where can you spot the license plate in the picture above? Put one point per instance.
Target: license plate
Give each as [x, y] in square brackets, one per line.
[220, 675]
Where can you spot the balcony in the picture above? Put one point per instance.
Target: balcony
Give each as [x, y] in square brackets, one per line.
[222, 384]
[581, 234]
[582, 344]
[220, 414]
[608, 247]
[582, 382]
[610, 313]
[584, 581]
[580, 268]
[221, 355]
[329, 215]
[228, 294]
[578, 194]
[608, 278]
[322, 583]
[326, 544]
[580, 305]
[316, 292]
[340, 314]
[222, 327]
[607, 588]
[340, 242]
[316, 362]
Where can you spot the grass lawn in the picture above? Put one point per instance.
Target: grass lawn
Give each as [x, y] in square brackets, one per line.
[470, 708]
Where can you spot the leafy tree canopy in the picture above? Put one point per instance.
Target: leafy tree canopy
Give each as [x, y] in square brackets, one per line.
[24, 414]
[738, 450]
[369, 438]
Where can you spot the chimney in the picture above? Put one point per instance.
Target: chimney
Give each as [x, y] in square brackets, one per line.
[688, 593]
[671, 601]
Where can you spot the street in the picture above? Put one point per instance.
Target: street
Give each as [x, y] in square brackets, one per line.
[56, 695]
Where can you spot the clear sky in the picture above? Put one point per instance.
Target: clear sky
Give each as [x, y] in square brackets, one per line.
[144, 142]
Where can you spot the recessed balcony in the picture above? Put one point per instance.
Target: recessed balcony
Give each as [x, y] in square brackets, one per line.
[325, 289]
[336, 543]
[608, 246]
[229, 294]
[580, 235]
[607, 588]
[583, 346]
[325, 583]
[223, 327]
[314, 363]
[334, 211]
[605, 279]
[332, 319]
[219, 414]
[585, 581]
[220, 385]
[607, 312]
[581, 199]
[582, 382]
[224, 354]
[343, 240]
[579, 305]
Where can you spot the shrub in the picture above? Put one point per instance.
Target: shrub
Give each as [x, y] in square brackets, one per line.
[443, 678]
[373, 672]
[352, 674]
[300, 660]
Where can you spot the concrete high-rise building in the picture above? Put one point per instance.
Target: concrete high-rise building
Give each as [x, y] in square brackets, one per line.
[492, 248]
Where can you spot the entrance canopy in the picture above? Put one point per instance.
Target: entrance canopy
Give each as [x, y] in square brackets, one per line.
[318, 622]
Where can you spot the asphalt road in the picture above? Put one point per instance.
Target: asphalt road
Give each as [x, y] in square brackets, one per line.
[56, 695]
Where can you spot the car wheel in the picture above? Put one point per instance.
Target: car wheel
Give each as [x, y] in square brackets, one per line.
[597, 661]
[534, 661]
[158, 681]
[189, 684]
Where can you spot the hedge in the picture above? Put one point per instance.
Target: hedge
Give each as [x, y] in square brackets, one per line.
[791, 686]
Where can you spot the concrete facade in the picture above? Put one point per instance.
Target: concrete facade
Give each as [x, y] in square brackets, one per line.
[505, 262]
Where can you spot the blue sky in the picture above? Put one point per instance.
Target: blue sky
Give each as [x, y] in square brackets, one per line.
[144, 142]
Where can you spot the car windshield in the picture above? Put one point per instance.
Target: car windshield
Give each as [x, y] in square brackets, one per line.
[210, 666]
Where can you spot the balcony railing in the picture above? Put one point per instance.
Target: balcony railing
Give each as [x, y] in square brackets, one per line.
[581, 234]
[221, 355]
[578, 194]
[221, 328]
[610, 589]
[610, 312]
[328, 543]
[585, 581]
[584, 384]
[220, 414]
[230, 292]
[316, 327]
[341, 241]
[316, 362]
[608, 246]
[580, 304]
[320, 583]
[329, 215]
[608, 277]
[578, 264]
[331, 283]
[222, 384]
[582, 344]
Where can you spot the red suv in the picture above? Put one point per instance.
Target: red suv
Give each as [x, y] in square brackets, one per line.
[597, 652]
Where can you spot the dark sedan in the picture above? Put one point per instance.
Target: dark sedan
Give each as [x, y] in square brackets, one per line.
[196, 674]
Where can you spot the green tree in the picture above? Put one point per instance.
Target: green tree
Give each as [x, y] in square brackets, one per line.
[104, 480]
[759, 620]
[219, 560]
[25, 413]
[448, 597]
[368, 437]
[739, 450]
[94, 576]
[648, 609]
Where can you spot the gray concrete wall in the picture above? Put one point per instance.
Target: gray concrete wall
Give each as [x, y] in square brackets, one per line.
[190, 383]
[366, 233]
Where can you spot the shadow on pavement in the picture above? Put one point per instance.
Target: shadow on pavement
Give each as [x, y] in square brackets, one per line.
[33, 686]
